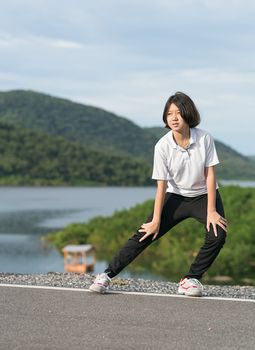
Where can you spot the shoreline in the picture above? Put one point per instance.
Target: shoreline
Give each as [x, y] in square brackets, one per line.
[245, 182]
[72, 280]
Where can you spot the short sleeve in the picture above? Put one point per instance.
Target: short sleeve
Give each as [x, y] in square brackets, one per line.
[211, 153]
[160, 170]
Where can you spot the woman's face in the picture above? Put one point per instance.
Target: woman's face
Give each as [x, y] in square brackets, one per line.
[175, 120]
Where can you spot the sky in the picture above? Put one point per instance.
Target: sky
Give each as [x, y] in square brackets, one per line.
[129, 56]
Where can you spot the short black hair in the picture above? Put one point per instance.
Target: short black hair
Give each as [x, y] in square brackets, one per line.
[187, 109]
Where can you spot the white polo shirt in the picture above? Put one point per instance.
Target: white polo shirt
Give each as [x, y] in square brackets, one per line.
[184, 169]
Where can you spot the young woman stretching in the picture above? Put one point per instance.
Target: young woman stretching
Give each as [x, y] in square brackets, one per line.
[184, 167]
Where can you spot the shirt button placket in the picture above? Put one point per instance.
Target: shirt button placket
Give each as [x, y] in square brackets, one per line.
[186, 155]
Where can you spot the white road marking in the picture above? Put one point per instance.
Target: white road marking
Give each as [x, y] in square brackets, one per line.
[128, 293]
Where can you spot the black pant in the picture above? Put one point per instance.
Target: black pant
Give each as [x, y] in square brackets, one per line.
[176, 208]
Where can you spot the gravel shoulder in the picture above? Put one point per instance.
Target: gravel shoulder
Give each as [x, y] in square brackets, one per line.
[72, 280]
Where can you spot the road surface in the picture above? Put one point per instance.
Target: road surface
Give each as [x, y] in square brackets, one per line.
[41, 318]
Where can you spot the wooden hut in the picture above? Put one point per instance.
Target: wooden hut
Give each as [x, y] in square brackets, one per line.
[79, 258]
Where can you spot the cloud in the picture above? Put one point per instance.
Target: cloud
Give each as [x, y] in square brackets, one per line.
[129, 56]
[7, 40]
[64, 44]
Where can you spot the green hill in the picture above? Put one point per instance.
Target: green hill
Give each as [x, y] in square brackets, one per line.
[157, 131]
[32, 157]
[88, 125]
[251, 158]
[233, 164]
[99, 130]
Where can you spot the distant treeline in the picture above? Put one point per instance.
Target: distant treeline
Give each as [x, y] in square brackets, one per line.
[172, 254]
[34, 158]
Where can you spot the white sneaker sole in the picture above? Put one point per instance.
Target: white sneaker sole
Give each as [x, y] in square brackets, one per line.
[181, 291]
[97, 289]
[190, 293]
[194, 293]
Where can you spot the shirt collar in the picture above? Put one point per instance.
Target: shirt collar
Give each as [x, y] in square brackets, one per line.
[193, 136]
[192, 139]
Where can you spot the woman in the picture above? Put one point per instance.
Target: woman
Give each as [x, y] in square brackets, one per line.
[184, 167]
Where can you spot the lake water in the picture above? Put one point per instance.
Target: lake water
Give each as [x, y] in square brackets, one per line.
[237, 183]
[28, 213]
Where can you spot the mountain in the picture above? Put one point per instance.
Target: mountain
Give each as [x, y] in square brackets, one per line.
[251, 158]
[156, 131]
[30, 157]
[88, 125]
[234, 165]
[96, 129]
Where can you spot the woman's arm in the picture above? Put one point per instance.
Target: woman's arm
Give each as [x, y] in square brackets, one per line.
[213, 217]
[211, 188]
[153, 226]
[159, 199]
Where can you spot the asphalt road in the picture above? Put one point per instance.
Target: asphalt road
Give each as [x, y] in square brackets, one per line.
[59, 319]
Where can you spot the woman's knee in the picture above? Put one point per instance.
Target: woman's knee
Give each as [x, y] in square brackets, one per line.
[220, 239]
[138, 235]
[135, 239]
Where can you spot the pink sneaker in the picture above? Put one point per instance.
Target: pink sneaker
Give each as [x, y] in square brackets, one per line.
[190, 287]
[100, 284]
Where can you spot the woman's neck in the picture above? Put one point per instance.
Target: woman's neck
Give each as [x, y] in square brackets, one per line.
[182, 137]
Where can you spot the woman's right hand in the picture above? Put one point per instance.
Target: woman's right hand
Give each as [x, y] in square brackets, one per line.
[150, 228]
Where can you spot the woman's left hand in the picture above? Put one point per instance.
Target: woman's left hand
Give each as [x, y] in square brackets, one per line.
[214, 218]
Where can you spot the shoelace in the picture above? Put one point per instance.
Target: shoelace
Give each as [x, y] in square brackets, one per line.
[195, 281]
[101, 279]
